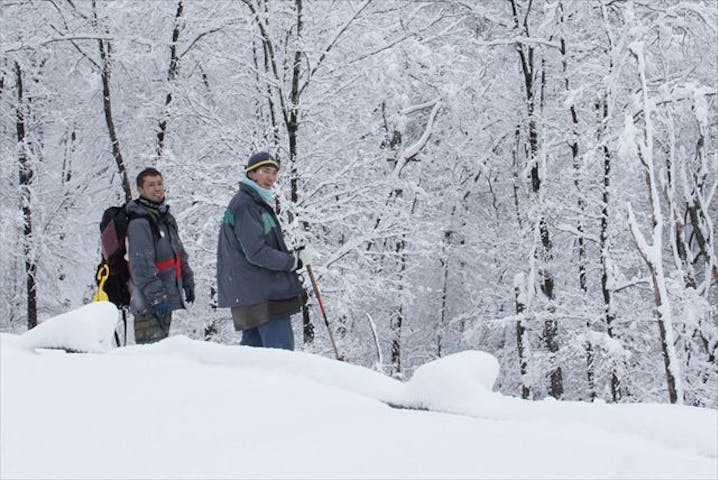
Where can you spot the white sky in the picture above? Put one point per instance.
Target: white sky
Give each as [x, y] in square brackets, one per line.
[189, 409]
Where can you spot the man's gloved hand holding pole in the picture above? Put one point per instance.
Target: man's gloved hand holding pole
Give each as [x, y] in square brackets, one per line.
[302, 257]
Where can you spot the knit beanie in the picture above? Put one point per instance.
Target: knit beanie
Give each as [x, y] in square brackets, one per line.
[260, 159]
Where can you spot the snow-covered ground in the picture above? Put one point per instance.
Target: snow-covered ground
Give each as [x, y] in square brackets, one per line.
[189, 409]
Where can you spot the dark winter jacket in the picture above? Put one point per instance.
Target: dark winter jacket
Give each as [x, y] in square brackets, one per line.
[157, 259]
[254, 266]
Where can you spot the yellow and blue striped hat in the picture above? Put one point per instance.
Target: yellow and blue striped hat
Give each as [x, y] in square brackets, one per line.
[260, 159]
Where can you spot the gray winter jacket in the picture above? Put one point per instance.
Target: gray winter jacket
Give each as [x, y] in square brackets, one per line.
[157, 259]
[254, 266]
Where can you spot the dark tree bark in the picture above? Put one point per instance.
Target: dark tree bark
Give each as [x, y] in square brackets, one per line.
[696, 212]
[581, 203]
[516, 169]
[68, 156]
[441, 331]
[653, 257]
[274, 127]
[292, 119]
[398, 319]
[105, 49]
[26, 175]
[608, 310]
[521, 339]
[105, 52]
[520, 345]
[172, 73]
[608, 307]
[526, 59]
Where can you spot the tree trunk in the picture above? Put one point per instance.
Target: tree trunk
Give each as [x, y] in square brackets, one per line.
[550, 331]
[652, 253]
[702, 225]
[515, 180]
[396, 323]
[26, 175]
[608, 310]
[521, 340]
[396, 346]
[68, 156]
[291, 120]
[398, 319]
[609, 313]
[581, 203]
[441, 330]
[105, 49]
[172, 73]
[267, 94]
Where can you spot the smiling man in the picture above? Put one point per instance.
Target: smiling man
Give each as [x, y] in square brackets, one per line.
[255, 270]
[159, 268]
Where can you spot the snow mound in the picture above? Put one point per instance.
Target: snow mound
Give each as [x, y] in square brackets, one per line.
[465, 374]
[322, 370]
[89, 328]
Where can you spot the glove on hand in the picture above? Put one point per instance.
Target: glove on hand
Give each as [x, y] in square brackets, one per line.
[161, 308]
[303, 256]
[188, 293]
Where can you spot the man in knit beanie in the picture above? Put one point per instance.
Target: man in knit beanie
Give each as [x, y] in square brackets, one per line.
[256, 272]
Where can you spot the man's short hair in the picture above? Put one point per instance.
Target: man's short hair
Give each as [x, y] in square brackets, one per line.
[147, 172]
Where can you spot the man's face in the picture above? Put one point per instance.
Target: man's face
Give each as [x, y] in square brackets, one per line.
[153, 189]
[265, 176]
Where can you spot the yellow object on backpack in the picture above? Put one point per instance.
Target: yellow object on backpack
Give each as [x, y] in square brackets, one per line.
[102, 274]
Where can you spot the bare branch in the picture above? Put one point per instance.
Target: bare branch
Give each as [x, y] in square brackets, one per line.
[198, 38]
[334, 41]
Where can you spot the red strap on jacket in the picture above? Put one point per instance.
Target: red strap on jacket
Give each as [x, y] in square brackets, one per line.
[171, 262]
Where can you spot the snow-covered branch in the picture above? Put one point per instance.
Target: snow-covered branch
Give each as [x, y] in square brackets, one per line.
[416, 147]
[518, 40]
[17, 46]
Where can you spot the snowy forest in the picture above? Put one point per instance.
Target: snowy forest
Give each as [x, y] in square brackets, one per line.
[531, 178]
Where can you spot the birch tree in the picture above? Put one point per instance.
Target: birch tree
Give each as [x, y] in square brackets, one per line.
[651, 249]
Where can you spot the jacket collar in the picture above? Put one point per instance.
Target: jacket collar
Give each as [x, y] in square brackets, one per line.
[156, 208]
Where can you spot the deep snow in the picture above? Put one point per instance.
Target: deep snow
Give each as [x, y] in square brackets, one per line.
[190, 409]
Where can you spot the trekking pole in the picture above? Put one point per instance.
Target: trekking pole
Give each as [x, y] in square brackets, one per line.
[321, 309]
[124, 321]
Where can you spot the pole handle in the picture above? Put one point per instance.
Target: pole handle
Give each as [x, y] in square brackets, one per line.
[102, 274]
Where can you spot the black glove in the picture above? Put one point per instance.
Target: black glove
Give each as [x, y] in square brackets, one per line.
[188, 293]
[161, 308]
